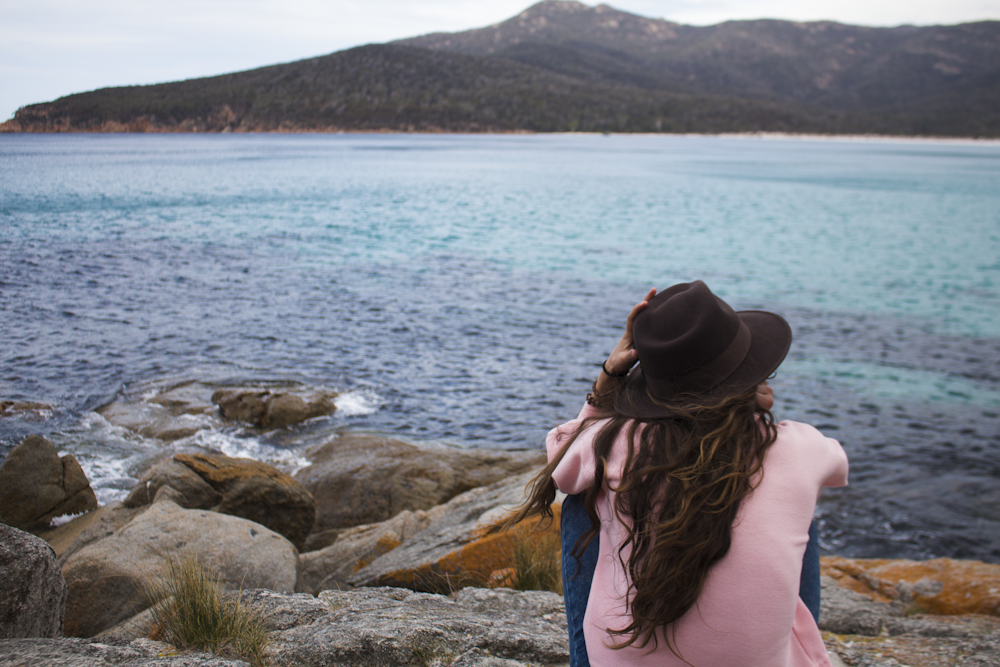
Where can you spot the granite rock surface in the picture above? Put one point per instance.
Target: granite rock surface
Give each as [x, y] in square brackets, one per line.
[32, 588]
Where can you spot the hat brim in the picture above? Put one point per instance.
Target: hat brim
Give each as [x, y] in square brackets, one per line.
[771, 337]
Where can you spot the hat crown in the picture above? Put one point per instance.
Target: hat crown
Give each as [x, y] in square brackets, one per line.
[693, 346]
[682, 330]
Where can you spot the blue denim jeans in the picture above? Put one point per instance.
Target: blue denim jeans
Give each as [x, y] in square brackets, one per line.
[577, 577]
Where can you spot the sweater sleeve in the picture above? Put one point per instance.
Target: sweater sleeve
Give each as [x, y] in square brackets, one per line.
[575, 472]
[826, 458]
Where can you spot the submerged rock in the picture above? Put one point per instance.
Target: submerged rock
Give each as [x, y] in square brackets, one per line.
[268, 409]
[241, 487]
[183, 409]
[32, 589]
[36, 485]
[360, 479]
[106, 578]
[21, 408]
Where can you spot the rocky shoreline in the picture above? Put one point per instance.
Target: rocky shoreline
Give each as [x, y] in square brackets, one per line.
[377, 553]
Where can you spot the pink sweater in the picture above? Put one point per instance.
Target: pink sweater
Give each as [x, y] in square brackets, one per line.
[749, 612]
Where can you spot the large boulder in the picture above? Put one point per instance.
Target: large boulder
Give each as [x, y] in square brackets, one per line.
[938, 586]
[269, 409]
[461, 545]
[32, 589]
[332, 566]
[386, 626]
[106, 579]
[36, 485]
[360, 479]
[91, 527]
[240, 487]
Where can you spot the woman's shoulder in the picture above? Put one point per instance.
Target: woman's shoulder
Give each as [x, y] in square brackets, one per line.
[807, 444]
[793, 429]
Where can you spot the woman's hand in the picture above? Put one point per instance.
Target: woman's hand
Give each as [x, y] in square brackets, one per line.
[624, 356]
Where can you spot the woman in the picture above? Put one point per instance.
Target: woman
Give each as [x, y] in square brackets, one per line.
[700, 502]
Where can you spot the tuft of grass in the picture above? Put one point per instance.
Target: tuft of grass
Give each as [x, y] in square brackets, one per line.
[537, 560]
[191, 610]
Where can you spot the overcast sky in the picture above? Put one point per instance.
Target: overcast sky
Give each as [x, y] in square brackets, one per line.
[51, 48]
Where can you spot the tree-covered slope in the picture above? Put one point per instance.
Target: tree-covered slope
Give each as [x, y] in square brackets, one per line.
[564, 66]
[393, 87]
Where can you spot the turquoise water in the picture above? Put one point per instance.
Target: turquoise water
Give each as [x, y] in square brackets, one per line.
[464, 289]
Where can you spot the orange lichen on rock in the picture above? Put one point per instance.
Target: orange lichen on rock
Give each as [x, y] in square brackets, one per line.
[476, 562]
[940, 586]
[384, 545]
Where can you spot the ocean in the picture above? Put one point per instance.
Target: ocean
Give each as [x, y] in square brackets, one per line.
[462, 290]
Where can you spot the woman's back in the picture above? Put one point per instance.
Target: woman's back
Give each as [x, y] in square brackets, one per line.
[702, 504]
[748, 612]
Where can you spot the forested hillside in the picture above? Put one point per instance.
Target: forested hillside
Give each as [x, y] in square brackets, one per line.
[564, 66]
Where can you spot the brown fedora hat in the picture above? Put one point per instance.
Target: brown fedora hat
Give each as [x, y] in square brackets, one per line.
[693, 347]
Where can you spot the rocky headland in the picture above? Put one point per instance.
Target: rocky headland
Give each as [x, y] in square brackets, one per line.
[379, 552]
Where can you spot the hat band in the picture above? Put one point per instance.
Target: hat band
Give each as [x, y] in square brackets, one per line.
[708, 376]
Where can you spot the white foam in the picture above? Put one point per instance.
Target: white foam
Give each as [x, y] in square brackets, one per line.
[357, 403]
[107, 454]
[250, 448]
[60, 520]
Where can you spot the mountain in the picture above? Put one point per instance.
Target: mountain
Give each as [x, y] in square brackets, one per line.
[564, 66]
[944, 78]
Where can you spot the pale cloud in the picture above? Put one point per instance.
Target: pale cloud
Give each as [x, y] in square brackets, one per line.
[50, 48]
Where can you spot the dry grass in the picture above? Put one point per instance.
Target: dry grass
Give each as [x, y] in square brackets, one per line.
[191, 610]
[537, 560]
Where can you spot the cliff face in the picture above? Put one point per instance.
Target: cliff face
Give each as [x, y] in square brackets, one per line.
[564, 66]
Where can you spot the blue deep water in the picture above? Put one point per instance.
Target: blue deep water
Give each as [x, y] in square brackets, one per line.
[465, 289]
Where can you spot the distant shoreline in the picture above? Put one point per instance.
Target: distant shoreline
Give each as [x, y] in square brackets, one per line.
[780, 136]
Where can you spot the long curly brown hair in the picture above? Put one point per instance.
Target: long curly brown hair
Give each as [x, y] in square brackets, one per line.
[684, 479]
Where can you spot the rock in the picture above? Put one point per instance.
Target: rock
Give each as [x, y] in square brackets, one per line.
[72, 652]
[32, 589]
[269, 409]
[181, 410]
[971, 641]
[157, 421]
[197, 493]
[10, 408]
[106, 578]
[37, 486]
[143, 624]
[846, 612]
[283, 612]
[360, 479]
[354, 548]
[240, 487]
[317, 541]
[386, 626]
[458, 547]
[70, 537]
[939, 586]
